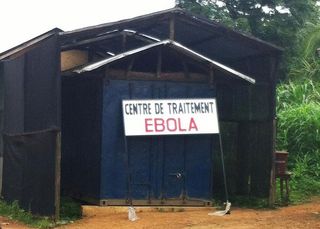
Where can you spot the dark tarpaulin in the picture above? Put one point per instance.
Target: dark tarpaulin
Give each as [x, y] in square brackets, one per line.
[31, 81]
[81, 137]
[32, 89]
[29, 171]
[13, 74]
[42, 86]
[1, 122]
[1, 107]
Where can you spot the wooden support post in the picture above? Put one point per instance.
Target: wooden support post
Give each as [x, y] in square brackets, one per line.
[172, 28]
[159, 63]
[124, 42]
[287, 188]
[211, 79]
[57, 175]
[272, 189]
[186, 69]
[272, 104]
[130, 66]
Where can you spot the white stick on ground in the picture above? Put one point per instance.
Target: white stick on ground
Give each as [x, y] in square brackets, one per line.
[222, 213]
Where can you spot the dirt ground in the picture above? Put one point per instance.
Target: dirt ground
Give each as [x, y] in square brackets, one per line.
[9, 224]
[301, 216]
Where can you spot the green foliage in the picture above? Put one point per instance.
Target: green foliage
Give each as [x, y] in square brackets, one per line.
[309, 40]
[70, 210]
[299, 117]
[297, 93]
[306, 176]
[249, 202]
[306, 64]
[12, 211]
[299, 132]
[299, 128]
[277, 21]
[274, 20]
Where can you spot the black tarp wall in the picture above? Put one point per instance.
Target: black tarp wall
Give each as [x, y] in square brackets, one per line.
[29, 171]
[31, 81]
[1, 123]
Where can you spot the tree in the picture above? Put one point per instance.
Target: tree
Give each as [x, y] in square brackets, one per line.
[306, 65]
[276, 21]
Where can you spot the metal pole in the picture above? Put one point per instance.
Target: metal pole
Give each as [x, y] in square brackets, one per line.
[223, 168]
[222, 157]
[129, 196]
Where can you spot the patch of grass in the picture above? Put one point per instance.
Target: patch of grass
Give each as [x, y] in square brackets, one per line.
[14, 212]
[299, 132]
[299, 129]
[305, 180]
[249, 202]
[70, 211]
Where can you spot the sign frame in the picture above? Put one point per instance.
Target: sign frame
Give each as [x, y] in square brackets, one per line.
[178, 116]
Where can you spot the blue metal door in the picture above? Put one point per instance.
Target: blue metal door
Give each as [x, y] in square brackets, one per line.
[159, 167]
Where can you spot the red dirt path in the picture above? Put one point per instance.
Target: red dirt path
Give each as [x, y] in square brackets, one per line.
[302, 216]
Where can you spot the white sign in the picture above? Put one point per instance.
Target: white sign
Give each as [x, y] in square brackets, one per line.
[170, 117]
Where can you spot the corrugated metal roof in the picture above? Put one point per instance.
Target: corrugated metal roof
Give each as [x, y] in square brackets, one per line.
[194, 31]
[171, 44]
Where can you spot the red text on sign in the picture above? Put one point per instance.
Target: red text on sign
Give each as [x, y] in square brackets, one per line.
[170, 124]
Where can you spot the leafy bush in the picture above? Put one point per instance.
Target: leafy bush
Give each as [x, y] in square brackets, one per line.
[299, 128]
[306, 63]
[297, 93]
[299, 132]
[13, 211]
[306, 176]
[70, 210]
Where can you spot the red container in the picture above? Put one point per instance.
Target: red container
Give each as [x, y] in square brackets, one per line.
[281, 162]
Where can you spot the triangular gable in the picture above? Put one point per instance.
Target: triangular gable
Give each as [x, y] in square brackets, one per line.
[191, 30]
[174, 45]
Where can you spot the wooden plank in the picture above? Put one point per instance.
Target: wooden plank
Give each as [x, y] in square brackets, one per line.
[129, 68]
[124, 42]
[73, 58]
[165, 76]
[57, 175]
[211, 78]
[273, 186]
[172, 28]
[155, 202]
[159, 63]
[185, 69]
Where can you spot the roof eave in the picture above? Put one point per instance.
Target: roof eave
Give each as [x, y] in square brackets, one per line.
[28, 43]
